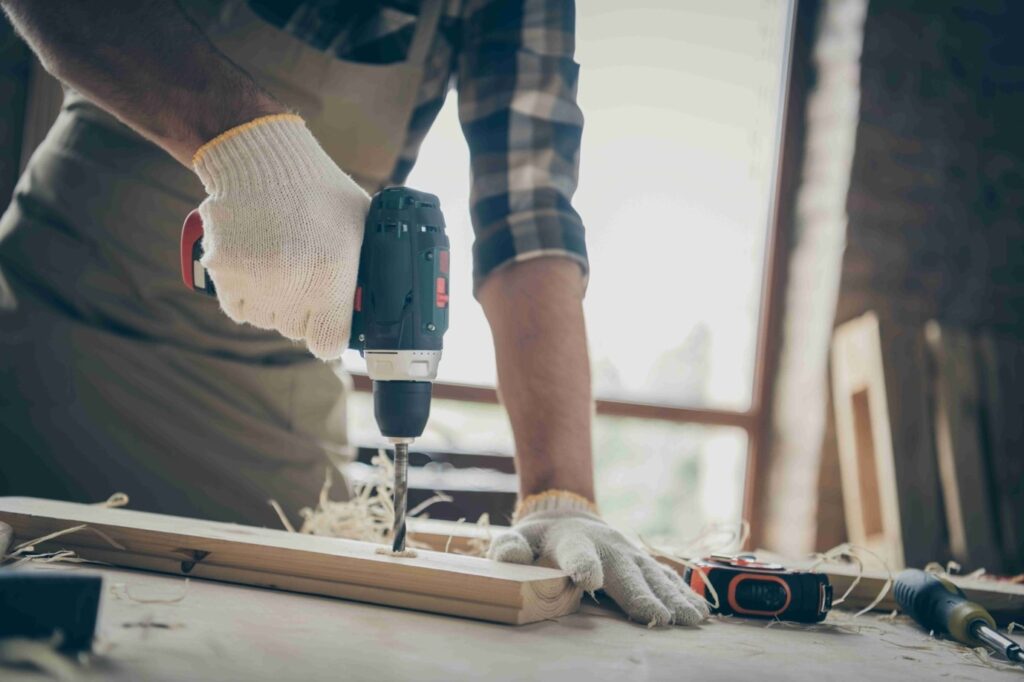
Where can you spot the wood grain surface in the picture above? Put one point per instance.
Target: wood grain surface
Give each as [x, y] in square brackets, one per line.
[432, 581]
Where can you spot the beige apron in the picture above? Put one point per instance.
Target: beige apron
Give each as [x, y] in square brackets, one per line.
[112, 375]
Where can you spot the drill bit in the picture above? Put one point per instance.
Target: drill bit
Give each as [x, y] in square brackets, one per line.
[401, 496]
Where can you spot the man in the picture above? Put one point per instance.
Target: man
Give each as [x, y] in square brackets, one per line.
[115, 377]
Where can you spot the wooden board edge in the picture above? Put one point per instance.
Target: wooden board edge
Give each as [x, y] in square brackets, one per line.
[530, 600]
[315, 564]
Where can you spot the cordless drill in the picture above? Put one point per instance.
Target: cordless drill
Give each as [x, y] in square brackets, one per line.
[400, 314]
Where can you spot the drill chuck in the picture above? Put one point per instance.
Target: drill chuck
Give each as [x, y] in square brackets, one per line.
[401, 407]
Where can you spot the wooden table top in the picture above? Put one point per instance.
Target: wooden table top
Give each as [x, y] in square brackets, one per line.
[158, 627]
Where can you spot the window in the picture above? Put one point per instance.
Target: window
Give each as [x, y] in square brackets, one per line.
[683, 110]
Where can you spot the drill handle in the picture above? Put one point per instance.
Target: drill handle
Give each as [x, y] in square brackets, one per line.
[193, 273]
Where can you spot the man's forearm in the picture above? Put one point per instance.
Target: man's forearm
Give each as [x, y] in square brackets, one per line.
[145, 62]
[535, 311]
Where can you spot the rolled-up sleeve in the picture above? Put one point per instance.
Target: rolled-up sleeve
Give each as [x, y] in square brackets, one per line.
[517, 81]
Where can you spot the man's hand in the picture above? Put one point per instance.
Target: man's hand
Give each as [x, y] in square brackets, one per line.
[560, 528]
[283, 227]
[536, 314]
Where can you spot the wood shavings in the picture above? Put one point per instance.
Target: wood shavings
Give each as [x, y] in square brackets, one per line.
[982, 657]
[715, 538]
[41, 654]
[952, 568]
[368, 516]
[685, 561]
[30, 545]
[477, 545]
[406, 553]
[853, 553]
[114, 501]
[284, 517]
[25, 552]
[448, 542]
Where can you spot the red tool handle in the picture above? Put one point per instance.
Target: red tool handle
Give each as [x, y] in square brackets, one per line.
[192, 271]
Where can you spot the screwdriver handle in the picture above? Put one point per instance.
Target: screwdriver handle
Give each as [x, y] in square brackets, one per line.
[939, 606]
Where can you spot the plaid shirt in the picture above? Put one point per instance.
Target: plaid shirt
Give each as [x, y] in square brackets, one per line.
[512, 62]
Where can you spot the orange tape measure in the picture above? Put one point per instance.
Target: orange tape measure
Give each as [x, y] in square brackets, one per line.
[748, 587]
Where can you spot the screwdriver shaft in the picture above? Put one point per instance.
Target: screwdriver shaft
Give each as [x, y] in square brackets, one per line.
[996, 641]
[401, 495]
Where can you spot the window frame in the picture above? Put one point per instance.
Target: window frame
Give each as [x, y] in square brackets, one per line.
[756, 420]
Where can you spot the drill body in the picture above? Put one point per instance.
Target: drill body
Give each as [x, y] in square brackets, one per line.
[400, 312]
[399, 318]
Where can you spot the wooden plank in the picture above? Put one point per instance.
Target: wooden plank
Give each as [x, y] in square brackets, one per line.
[963, 471]
[1001, 368]
[889, 471]
[870, 497]
[432, 581]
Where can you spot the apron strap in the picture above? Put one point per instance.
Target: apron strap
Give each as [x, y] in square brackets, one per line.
[426, 30]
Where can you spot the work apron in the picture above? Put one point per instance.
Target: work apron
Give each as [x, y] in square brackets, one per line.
[114, 377]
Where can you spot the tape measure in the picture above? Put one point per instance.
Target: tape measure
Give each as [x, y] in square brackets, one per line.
[748, 587]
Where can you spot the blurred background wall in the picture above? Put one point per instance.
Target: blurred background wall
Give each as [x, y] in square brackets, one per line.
[934, 218]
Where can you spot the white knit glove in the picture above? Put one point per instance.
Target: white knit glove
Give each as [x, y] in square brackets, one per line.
[283, 227]
[564, 530]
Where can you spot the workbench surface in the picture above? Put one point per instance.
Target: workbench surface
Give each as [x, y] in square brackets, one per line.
[156, 627]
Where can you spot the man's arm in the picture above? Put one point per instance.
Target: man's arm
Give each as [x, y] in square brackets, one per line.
[535, 309]
[145, 62]
[517, 103]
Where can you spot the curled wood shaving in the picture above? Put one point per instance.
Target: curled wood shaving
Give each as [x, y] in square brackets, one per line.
[478, 546]
[29, 546]
[448, 542]
[25, 552]
[475, 546]
[115, 500]
[854, 553]
[368, 516]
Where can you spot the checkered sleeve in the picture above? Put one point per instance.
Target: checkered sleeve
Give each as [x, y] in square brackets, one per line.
[516, 80]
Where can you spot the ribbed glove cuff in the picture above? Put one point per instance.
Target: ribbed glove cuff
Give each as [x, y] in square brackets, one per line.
[265, 152]
[553, 500]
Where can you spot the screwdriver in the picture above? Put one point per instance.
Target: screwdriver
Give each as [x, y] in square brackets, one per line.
[939, 606]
